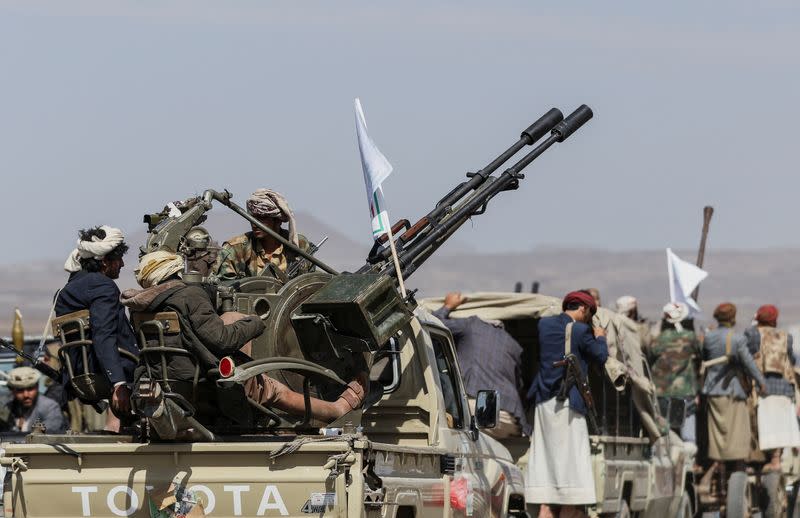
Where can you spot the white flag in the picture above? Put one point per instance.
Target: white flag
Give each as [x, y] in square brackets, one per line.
[376, 169]
[684, 277]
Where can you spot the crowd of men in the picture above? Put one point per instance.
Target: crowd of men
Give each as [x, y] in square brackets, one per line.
[728, 370]
[93, 267]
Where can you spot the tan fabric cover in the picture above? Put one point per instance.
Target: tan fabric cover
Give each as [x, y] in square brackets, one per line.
[773, 355]
[728, 429]
[626, 363]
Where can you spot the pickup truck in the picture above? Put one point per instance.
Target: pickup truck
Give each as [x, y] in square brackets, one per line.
[417, 452]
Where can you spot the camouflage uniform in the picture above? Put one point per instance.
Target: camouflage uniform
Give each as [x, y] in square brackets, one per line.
[242, 256]
[673, 356]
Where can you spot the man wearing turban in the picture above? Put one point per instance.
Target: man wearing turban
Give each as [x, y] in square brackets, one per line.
[673, 357]
[93, 266]
[560, 468]
[256, 252]
[628, 305]
[726, 388]
[774, 357]
[210, 337]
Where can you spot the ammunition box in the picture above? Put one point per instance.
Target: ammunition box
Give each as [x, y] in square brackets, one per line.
[364, 306]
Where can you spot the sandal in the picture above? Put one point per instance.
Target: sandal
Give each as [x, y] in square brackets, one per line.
[353, 394]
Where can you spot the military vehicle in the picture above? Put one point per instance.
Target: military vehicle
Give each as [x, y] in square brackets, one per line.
[413, 449]
[640, 466]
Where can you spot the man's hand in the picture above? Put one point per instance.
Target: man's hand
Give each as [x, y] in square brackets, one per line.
[599, 331]
[121, 400]
[762, 390]
[454, 299]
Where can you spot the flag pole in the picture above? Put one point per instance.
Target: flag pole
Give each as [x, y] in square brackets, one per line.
[396, 261]
[708, 211]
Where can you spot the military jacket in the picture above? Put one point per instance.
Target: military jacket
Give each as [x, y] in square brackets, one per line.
[673, 356]
[242, 256]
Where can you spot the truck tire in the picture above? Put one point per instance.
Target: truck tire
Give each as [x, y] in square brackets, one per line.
[739, 499]
[685, 507]
[774, 495]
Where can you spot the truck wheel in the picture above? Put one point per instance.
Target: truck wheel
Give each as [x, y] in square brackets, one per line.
[739, 498]
[774, 494]
[685, 507]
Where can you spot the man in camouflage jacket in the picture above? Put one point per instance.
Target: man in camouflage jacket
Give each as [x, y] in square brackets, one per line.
[674, 356]
[256, 252]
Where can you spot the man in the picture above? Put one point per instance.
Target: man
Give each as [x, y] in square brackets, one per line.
[628, 305]
[249, 254]
[93, 267]
[774, 357]
[476, 340]
[560, 470]
[674, 356]
[28, 406]
[729, 369]
[211, 337]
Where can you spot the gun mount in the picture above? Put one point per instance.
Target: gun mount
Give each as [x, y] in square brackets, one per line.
[343, 322]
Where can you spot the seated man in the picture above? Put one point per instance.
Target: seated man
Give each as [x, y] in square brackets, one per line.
[210, 338]
[93, 267]
[476, 340]
[28, 406]
[247, 255]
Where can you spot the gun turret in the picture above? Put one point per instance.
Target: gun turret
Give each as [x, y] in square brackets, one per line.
[470, 198]
[359, 312]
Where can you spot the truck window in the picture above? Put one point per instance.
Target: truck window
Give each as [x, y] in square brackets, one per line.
[448, 377]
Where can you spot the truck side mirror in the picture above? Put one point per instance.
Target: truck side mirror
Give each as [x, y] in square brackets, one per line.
[487, 413]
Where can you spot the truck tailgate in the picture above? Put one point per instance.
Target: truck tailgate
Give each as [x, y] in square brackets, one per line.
[226, 479]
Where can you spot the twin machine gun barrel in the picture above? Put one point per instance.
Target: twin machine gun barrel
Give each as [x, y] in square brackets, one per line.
[469, 198]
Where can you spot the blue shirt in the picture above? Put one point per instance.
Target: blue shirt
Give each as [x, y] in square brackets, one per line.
[552, 337]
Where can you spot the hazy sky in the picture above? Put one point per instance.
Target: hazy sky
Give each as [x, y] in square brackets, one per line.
[110, 109]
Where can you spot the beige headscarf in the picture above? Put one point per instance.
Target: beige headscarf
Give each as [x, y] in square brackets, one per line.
[271, 204]
[626, 303]
[96, 248]
[157, 266]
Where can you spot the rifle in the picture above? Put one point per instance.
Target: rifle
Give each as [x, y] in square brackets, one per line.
[574, 377]
[294, 269]
[470, 198]
[37, 364]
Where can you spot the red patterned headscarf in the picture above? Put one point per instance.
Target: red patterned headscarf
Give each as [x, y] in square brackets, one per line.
[581, 297]
[767, 315]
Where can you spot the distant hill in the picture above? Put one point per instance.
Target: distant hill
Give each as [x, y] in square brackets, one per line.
[746, 277]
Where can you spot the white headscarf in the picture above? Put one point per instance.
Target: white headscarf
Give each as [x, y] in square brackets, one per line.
[157, 266]
[96, 248]
[271, 204]
[675, 313]
[626, 303]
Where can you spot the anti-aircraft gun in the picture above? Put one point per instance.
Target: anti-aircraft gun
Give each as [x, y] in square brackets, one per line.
[325, 327]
